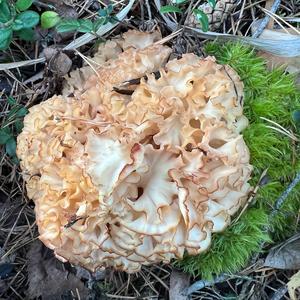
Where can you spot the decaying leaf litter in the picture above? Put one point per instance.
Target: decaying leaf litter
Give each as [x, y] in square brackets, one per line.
[34, 83]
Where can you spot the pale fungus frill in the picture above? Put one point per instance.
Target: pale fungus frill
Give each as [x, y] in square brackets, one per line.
[145, 162]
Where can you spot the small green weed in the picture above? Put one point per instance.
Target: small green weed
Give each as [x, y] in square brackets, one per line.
[11, 127]
[17, 20]
[86, 25]
[200, 15]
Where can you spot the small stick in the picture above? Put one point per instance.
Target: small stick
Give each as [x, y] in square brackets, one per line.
[279, 202]
[261, 182]
[88, 62]
[169, 37]
[266, 19]
[281, 19]
[148, 10]
[73, 220]
[198, 285]
[279, 294]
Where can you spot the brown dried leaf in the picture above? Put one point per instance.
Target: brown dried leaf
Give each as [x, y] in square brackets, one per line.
[285, 256]
[179, 282]
[291, 64]
[47, 278]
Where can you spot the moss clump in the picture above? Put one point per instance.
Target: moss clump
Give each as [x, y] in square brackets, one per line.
[273, 95]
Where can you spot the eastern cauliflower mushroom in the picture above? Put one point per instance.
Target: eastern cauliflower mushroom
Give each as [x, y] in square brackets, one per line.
[126, 179]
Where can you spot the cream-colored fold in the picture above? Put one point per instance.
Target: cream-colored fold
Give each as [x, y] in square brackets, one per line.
[125, 175]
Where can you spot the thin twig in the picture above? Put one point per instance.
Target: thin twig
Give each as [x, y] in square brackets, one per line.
[279, 294]
[169, 37]
[266, 19]
[198, 285]
[282, 19]
[88, 62]
[280, 129]
[252, 194]
[279, 202]
[272, 16]
[148, 9]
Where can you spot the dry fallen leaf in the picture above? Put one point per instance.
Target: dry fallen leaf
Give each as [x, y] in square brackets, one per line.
[47, 278]
[291, 64]
[285, 256]
[179, 282]
[293, 284]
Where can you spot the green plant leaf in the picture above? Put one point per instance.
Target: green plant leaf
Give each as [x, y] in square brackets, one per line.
[11, 100]
[67, 25]
[17, 25]
[22, 112]
[19, 126]
[22, 5]
[49, 19]
[26, 34]
[11, 146]
[202, 17]
[5, 12]
[105, 12]
[98, 23]
[112, 20]
[212, 3]
[102, 12]
[5, 135]
[180, 1]
[5, 37]
[29, 18]
[109, 9]
[85, 26]
[169, 9]
[12, 112]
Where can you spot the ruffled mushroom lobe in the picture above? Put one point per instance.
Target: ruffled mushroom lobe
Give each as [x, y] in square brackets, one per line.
[126, 179]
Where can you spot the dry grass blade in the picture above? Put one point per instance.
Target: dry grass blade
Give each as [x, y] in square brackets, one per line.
[275, 16]
[280, 129]
[169, 37]
[88, 62]
[19, 64]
